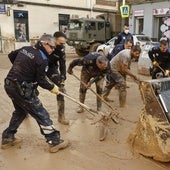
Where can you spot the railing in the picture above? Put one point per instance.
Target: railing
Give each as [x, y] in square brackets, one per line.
[6, 44]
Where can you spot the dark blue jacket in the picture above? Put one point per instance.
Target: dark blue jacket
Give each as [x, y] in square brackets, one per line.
[30, 64]
[121, 37]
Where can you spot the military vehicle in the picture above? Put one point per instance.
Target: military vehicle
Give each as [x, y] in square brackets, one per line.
[86, 34]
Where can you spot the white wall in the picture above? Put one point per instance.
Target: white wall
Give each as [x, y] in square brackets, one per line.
[74, 3]
[44, 19]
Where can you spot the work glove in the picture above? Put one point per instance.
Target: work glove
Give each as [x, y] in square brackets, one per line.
[62, 83]
[166, 73]
[70, 71]
[155, 63]
[55, 90]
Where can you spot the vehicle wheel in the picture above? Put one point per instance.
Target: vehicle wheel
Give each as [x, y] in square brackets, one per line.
[81, 53]
[93, 47]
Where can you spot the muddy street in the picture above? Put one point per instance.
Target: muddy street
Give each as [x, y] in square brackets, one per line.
[85, 152]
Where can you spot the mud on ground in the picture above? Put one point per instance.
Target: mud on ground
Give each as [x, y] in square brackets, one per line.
[85, 152]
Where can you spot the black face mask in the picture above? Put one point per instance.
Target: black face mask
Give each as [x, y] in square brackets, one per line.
[59, 47]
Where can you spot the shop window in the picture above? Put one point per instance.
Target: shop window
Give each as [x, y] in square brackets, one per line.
[139, 26]
[21, 26]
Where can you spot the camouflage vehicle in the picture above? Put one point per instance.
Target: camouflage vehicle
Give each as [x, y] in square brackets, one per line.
[86, 34]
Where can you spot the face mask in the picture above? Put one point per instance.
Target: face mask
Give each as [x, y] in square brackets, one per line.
[59, 47]
[126, 31]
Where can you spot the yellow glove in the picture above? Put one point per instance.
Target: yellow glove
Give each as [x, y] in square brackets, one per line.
[166, 73]
[155, 63]
[55, 90]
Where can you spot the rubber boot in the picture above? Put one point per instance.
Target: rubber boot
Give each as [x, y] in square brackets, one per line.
[106, 92]
[99, 104]
[82, 99]
[61, 116]
[122, 98]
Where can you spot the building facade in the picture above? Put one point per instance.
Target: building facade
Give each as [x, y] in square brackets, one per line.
[151, 18]
[22, 22]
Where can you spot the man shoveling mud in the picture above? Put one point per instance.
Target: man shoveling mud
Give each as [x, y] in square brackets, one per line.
[119, 69]
[95, 67]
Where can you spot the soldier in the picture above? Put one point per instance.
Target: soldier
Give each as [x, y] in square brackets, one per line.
[160, 57]
[57, 73]
[29, 68]
[95, 67]
[119, 69]
[124, 35]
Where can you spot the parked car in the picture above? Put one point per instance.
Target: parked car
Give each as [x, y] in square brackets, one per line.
[104, 48]
[142, 40]
[139, 39]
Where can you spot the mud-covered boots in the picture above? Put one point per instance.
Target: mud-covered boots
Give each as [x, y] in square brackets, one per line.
[122, 98]
[106, 93]
[61, 116]
[99, 104]
[9, 142]
[82, 99]
[80, 110]
[61, 145]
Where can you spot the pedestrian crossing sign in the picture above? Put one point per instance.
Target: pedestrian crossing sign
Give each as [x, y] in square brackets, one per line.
[124, 10]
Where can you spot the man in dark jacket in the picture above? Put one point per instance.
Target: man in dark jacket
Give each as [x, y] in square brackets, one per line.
[94, 68]
[124, 35]
[57, 73]
[29, 68]
[160, 57]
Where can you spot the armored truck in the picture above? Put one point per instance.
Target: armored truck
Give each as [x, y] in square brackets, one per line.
[86, 34]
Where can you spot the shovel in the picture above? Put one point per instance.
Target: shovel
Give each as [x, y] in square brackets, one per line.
[101, 98]
[103, 118]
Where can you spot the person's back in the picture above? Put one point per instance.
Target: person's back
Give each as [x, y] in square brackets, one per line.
[122, 57]
[25, 64]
